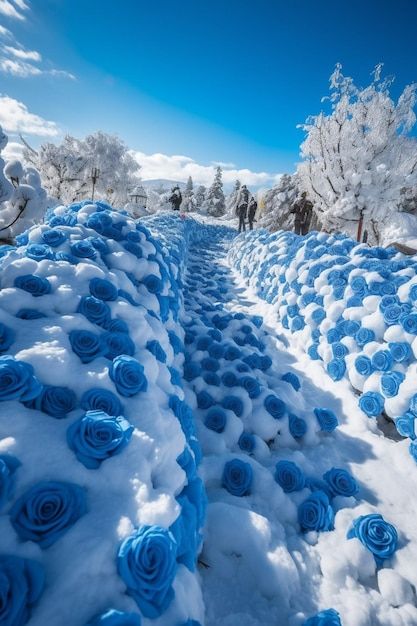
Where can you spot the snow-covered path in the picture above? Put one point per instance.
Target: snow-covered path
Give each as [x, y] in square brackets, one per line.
[257, 566]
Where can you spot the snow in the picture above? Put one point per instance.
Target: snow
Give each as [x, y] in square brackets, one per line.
[228, 300]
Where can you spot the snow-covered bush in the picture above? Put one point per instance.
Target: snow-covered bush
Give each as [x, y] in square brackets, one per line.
[199, 197]
[350, 306]
[23, 201]
[231, 200]
[66, 168]
[359, 157]
[278, 204]
[102, 504]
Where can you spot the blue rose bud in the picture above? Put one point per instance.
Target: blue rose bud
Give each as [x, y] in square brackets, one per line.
[22, 582]
[216, 419]
[53, 237]
[292, 379]
[400, 351]
[371, 403]
[275, 406]
[390, 383]
[55, 401]
[17, 381]
[326, 419]
[86, 345]
[147, 564]
[95, 310]
[405, 425]
[46, 511]
[35, 285]
[297, 426]
[377, 535]
[115, 344]
[7, 337]
[363, 365]
[237, 477]
[336, 369]
[382, 360]
[247, 442]
[341, 483]
[103, 289]
[233, 403]
[83, 250]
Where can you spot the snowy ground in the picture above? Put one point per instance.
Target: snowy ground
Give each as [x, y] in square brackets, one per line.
[257, 568]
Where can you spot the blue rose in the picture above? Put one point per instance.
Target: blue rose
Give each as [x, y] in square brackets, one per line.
[313, 353]
[409, 323]
[211, 378]
[328, 617]
[289, 476]
[216, 420]
[318, 315]
[297, 426]
[339, 350]
[229, 379]
[204, 342]
[7, 337]
[8, 466]
[336, 369]
[147, 564]
[231, 353]
[95, 310]
[363, 365]
[382, 360]
[315, 513]
[405, 425]
[390, 383]
[98, 399]
[153, 284]
[326, 419]
[341, 483]
[292, 379]
[184, 530]
[46, 511]
[237, 477]
[128, 376]
[133, 248]
[233, 403]
[118, 326]
[29, 314]
[275, 406]
[175, 342]
[86, 345]
[204, 400]
[377, 535]
[98, 436]
[400, 351]
[115, 618]
[53, 237]
[192, 369]
[38, 252]
[247, 442]
[297, 323]
[17, 381]
[103, 289]
[115, 344]
[392, 314]
[371, 403]
[157, 350]
[35, 285]
[22, 582]
[55, 401]
[83, 250]
[251, 385]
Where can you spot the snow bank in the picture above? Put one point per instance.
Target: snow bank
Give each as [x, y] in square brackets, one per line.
[101, 503]
[350, 306]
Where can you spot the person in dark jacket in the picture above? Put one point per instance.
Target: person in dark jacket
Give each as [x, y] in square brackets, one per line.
[242, 207]
[176, 198]
[303, 211]
[253, 206]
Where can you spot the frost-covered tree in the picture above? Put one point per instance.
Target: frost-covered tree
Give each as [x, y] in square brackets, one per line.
[199, 197]
[358, 157]
[231, 201]
[278, 203]
[188, 200]
[214, 204]
[23, 201]
[66, 168]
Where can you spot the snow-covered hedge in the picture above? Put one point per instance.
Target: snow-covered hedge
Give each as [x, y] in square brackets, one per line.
[352, 306]
[101, 504]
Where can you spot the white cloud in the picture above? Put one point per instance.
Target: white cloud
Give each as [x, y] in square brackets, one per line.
[179, 168]
[13, 9]
[5, 33]
[13, 150]
[223, 164]
[21, 69]
[15, 118]
[25, 55]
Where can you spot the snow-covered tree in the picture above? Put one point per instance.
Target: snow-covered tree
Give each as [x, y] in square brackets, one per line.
[278, 203]
[358, 157]
[188, 200]
[23, 201]
[231, 200]
[214, 204]
[66, 168]
[199, 197]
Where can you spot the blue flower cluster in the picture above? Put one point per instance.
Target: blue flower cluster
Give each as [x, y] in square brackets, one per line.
[351, 306]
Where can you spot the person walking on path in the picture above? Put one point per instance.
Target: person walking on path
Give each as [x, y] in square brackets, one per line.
[253, 206]
[303, 210]
[176, 198]
[242, 207]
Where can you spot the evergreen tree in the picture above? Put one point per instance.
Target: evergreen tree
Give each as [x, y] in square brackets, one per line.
[232, 200]
[188, 200]
[199, 197]
[215, 202]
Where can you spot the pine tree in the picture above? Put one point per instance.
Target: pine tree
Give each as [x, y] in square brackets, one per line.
[188, 200]
[199, 197]
[232, 200]
[215, 202]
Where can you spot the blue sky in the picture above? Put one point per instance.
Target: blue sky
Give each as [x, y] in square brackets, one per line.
[220, 81]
